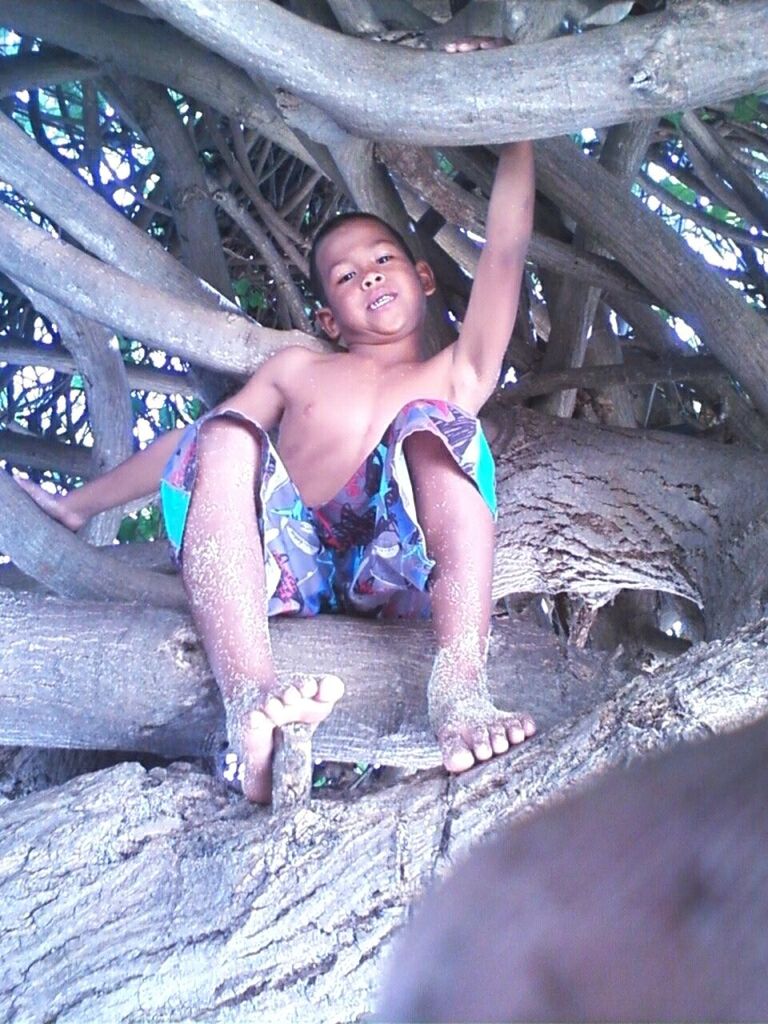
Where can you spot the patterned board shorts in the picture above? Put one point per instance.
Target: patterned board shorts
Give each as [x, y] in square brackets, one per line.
[363, 551]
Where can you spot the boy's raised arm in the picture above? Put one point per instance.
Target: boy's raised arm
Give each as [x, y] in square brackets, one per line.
[490, 317]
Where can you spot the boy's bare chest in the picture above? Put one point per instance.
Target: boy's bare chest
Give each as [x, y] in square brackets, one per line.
[360, 399]
[333, 420]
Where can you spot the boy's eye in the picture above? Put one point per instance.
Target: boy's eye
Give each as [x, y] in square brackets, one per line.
[384, 259]
[346, 277]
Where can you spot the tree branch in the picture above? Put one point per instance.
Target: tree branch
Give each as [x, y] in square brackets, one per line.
[212, 338]
[176, 710]
[264, 247]
[34, 452]
[54, 556]
[628, 373]
[611, 75]
[46, 68]
[736, 334]
[156, 52]
[69, 203]
[18, 352]
[573, 307]
[713, 150]
[108, 399]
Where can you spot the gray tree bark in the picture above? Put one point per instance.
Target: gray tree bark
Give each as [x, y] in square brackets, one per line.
[612, 75]
[132, 895]
[169, 705]
[219, 339]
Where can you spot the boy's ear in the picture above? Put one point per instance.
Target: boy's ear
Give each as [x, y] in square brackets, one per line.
[327, 322]
[427, 277]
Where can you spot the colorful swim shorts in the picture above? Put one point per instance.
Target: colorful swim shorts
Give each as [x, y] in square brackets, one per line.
[363, 551]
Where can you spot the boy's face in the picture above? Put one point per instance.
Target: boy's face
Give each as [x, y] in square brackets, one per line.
[375, 293]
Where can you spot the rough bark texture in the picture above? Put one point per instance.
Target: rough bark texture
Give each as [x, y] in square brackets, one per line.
[588, 510]
[103, 690]
[131, 895]
[633, 72]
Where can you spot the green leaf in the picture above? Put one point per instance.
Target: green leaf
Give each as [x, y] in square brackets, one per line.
[680, 191]
[747, 108]
[726, 216]
[445, 165]
[193, 407]
[674, 120]
[127, 531]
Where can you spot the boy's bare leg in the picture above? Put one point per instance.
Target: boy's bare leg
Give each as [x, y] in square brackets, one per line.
[223, 569]
[459, 533]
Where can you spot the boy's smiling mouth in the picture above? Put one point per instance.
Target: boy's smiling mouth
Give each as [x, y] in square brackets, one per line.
[382, 300]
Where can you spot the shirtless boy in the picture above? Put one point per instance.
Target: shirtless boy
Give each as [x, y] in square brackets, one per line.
[393, 436]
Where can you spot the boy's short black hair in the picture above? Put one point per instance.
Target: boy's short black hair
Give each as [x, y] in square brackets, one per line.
[315, 281]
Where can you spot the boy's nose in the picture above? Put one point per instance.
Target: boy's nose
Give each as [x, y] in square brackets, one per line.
[373, 277]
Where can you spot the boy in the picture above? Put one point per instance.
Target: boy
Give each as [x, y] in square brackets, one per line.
[382, 485]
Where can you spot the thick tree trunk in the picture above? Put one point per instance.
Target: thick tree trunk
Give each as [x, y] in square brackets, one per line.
[136, 679]
[590, 510]
[130, 895]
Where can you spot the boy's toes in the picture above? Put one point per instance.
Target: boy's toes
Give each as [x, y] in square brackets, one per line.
[520, 728]
[308, 686]
[480, 744]
[276, 711]
[329, 689]
[304, 698]
[499, 739]
[457, 756]
[515, 731]
[324, 689]
[291, 695]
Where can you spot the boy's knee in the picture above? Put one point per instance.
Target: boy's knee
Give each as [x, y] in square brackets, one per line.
[424, 445]
[225, 437]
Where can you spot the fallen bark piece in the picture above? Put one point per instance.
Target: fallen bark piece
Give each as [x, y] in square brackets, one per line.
[292, 767]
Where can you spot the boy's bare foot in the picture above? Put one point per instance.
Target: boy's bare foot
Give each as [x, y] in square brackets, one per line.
[252, 719]
[469, 43]
[54, 505]
[468, 726]
[477, 731]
